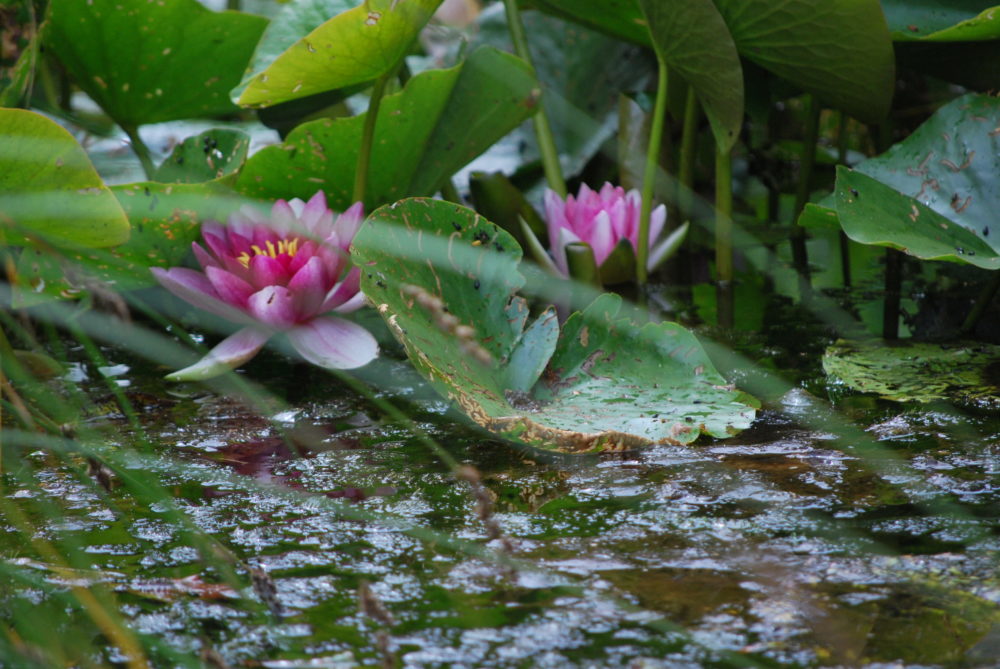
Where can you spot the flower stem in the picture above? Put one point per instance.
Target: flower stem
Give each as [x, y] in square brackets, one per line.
[652, 164]
[141, 150]
[543, 131]
[724, 238]
[367, 138]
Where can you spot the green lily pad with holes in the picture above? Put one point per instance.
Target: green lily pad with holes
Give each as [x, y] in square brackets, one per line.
[439, 122]
[691, 37]
[871, 212]
[942, 20]
[50, 190]
[164, 218]
[294, 21]
[146, 62]
[357, 45]
[803, 41]
[935, 194]
[961, 372]
[207, 156]
[445, 280]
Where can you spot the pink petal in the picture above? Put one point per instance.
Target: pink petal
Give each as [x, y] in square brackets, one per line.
[273, 306]
[555, 215]
[218, 245]
[194, 287]
[231, 352]
[334, 343]
[353, 304]
[284, 217]
[342, 293]
[230, 289]
[266, 271]
[603, 238]
[559, 249]
[308, 287]
[657, 219]
[204, 258]
[348, 223]
[316, 217]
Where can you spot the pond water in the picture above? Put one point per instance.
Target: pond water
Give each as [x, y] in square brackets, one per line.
[789, 545]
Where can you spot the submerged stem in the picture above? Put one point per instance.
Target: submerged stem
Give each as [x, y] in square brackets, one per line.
[367, 138]
[685, 168]
[724, 238]
[649, 178]
[807, 160]
[141, 150]
[543, 131]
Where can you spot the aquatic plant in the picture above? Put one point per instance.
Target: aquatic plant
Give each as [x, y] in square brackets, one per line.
[282, 272]
[603, 219]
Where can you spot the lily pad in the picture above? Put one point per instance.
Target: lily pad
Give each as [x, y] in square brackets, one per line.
[50, 189]
[438, 123]
[942, 20]
[294, 21]
[206, 156]
[357, 45]
[946, 191]
[146, 62]
[436, 270]
[962, 372]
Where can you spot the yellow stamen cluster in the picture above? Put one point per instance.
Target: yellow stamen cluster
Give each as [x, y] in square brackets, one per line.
[285, 246]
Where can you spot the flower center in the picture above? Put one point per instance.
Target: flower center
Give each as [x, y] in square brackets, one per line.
[285, 246]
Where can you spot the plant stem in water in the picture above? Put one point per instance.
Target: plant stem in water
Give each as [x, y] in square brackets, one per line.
[367, 137]
[543, 131]
[979, 308]
[893, 283]
[724, 238]
[652, 164]
[141, 150]
[807, 159]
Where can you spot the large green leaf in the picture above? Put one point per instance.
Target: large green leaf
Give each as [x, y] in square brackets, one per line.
[839, 50]
[360, 44]
[295, 20]
[436, 270]
[945, 176]
[692, 39]
[871, 212]
[621, 18]
[145, 62]
[438, 123]
[49, 188]
[206, 156]
[918, 371]
[942, 20]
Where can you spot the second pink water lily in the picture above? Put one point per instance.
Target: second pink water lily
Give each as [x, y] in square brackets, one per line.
[279, 273]
[602, 219]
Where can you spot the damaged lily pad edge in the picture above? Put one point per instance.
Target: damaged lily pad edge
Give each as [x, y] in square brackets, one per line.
[519, 426]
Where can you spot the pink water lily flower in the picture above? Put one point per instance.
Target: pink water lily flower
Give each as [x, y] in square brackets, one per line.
[279, 273]
[602, 219]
